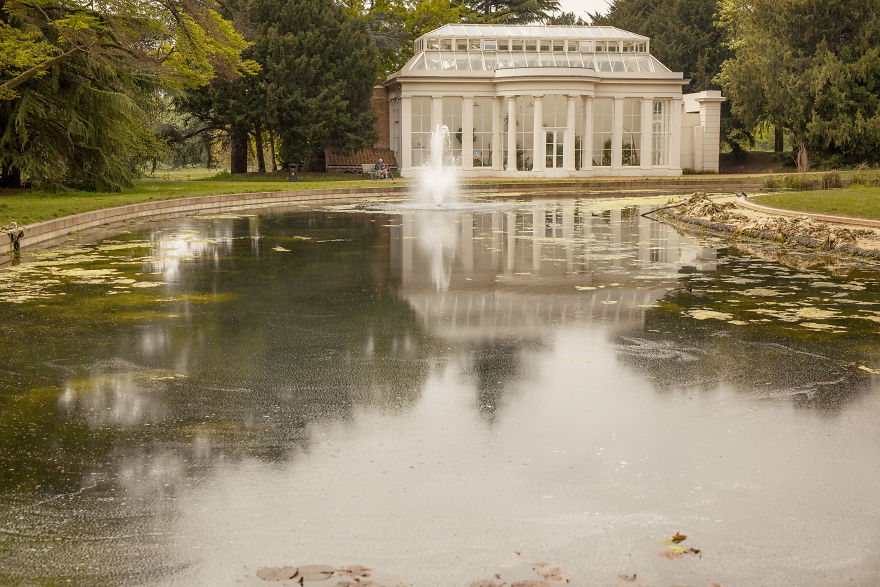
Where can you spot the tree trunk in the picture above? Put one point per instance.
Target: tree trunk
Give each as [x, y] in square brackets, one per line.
[10, 177]
[209, 153]
[258, 139]
[238, 156]
[778, 139]
[272, 149]
[803, 163]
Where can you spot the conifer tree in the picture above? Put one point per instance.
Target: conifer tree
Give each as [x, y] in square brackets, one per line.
[313, 90]
[812, 67]
[78, 83]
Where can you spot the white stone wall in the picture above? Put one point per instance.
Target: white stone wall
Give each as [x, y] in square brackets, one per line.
[694, 120]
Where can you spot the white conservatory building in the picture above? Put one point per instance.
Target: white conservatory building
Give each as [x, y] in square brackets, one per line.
[549, 101]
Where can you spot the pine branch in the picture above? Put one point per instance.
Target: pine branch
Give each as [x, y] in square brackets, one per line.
[26, 75]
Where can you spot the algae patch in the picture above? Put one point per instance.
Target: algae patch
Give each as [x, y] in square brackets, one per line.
[709, 315]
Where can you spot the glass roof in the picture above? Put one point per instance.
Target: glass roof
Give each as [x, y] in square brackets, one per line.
[492, 61]
[533, 31]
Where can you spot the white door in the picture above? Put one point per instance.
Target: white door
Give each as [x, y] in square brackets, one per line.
[554, 152]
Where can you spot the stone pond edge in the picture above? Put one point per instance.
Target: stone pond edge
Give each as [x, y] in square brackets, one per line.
[49, 231]
[730, 230]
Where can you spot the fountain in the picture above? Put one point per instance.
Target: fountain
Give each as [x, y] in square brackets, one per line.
[438, 181]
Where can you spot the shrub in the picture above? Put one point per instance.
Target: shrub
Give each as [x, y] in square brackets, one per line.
[770, 183]
[831, 180]
[799, 182]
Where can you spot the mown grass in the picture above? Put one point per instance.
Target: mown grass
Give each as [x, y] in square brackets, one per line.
[859, 201]
[28, 206]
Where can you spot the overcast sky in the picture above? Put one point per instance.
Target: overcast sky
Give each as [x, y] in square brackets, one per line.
[579, 7]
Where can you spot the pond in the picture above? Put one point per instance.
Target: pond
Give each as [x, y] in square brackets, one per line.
[442, 396]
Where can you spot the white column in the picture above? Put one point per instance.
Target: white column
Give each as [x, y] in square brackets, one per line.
[538, 139]
[568, 143]
[647, 153]
[437, 113]
[511, 134]
[511, 244]
[467, 133]
[710, 120]
[617, 133]
[539, 230]
[588, 133]
[675, 133]
[406, 133]
[467, 243]
[497, 126]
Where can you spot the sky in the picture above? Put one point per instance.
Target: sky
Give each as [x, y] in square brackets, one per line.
[579, 7]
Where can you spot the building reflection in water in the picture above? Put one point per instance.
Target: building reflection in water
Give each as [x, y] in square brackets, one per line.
[502, 282]
[516, 271]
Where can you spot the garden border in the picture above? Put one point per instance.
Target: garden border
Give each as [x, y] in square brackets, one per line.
[766, 235]
[48, 231]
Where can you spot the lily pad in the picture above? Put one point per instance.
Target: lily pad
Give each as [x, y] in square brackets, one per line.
[277, 573]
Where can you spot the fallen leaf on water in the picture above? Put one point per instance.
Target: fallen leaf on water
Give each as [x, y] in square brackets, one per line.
[670, 555]
[355, 571]
[676, 549]
[696, 551]
[550, 573]
[277, 573]
[316, 572]
[627, 578]
[530, 583]
[678, 537]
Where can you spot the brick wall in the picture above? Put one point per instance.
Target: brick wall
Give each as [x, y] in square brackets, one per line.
[380, 107]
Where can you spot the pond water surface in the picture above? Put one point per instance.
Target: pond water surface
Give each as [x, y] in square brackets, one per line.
[441, 396]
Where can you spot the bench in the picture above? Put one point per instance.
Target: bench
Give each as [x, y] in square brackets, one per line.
[369, 169]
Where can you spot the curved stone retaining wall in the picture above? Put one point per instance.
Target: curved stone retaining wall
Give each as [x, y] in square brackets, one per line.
[42, 233]
[805, 241]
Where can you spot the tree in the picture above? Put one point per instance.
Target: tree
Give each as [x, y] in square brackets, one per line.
[685, 37]
[79, 83]
[811, 67]
[319, 68]
[514, 11]
[393, 25]
[682, 32]
[566, 18]
[313, 90]
[183, 42]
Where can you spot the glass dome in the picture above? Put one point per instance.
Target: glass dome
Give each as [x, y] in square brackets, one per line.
[499, 60]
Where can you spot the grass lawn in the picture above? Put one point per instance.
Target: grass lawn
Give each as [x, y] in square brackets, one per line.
[859, 201]
[28, 206]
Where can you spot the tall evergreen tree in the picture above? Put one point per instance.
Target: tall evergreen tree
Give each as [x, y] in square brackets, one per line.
[313, 90]
[811, 67]
[319, 69]
[683, 35]
[514, 11]
[78, 82]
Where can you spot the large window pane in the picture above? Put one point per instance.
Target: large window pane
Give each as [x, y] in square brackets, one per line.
[483, 132]
[452, 120]
[660, 132]
[580, 124]
[525, 133]
[421, 130]
[603, 122]
[555, 111]
[632, 131]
